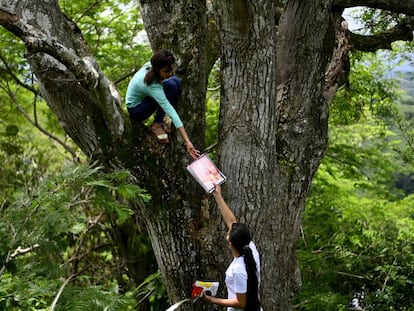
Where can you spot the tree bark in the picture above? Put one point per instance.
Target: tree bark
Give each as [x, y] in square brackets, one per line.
[180, 229]
[272, 129]
[303, 54]
[276, 139]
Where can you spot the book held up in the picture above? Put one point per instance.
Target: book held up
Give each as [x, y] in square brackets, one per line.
[206, 173]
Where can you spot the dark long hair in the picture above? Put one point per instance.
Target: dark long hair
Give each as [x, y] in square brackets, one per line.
[159, 60]
[240, 238]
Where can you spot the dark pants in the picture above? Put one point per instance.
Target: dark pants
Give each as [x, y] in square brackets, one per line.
[148, 106]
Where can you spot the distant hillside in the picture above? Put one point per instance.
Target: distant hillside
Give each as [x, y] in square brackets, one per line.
[407, 84]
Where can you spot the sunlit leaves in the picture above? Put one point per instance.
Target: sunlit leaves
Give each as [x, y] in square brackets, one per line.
[375, 20]
[114, 32]
[357, 231]
[370, 91]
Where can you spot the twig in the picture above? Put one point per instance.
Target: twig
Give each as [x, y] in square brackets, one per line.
[41, 129]
[388, 276]
[351, 275]
[210, 147]
[53, 305]
[15, 78]
[117, 81]
[20, 251]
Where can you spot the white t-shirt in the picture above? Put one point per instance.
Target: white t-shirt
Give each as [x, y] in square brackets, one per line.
[236, 275]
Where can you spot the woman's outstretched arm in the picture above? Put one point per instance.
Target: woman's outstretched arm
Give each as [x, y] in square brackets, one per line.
[225, 210]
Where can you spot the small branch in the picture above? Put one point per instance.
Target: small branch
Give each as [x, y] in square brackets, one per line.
[87, 11]
[119, 80]
[388, 276]
[53, 305]
[213, 89]
[302, 233]
[10, 72]
[20, 251]
[210, 147]
[14, 238]
[349, 274]
[405, 132]
[41, 129]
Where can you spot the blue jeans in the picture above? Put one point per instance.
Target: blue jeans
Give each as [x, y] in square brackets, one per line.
[172, 88]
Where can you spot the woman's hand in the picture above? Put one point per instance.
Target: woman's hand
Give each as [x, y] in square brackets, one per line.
[238, 302]
[217, 190]
[208, 298]
[194, 153]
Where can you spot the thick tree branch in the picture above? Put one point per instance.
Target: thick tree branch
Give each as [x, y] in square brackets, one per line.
[403, 31]
[82, 68]
[337, 73]
[397, 6]
[70, 62]
[37, 41]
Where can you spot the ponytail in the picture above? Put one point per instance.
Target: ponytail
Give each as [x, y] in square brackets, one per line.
[252, 301]
[150, 76]
[240, 238]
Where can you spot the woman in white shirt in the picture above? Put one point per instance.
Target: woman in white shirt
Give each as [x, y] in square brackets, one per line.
[243, 274]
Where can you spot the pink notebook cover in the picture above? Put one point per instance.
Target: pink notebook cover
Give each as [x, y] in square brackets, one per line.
[206, 172]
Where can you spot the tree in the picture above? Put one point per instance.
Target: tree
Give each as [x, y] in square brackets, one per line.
[355, 235]
[280, 68]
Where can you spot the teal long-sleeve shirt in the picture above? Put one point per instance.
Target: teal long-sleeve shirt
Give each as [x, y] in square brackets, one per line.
[138, 90]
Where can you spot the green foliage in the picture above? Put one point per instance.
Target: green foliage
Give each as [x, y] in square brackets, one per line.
[22, 146]
[24, 158]
[407, 84]
[114, 32]
[154, 289]
[376, 21]
[368, 93]
[213, 107]
[357, 234]
[405, 117]
[94, 299]
[61, 229]
[56, 224]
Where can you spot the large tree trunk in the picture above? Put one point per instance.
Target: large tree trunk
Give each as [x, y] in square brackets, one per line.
[178, 221]
[273, 124]
[305, 44]
[272, 131]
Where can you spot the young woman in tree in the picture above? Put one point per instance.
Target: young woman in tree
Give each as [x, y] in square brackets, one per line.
[243, 274]
[155, 88]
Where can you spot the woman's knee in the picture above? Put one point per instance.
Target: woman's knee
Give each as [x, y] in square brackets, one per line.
[173, 84]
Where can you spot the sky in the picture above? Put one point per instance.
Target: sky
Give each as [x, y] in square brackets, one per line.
[353, 25]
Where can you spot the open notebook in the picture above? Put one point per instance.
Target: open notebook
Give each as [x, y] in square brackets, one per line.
[206, 173]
